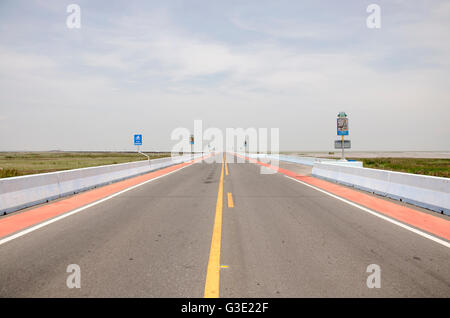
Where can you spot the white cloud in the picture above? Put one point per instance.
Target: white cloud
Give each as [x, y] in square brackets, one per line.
[148, 72]
[106, 60]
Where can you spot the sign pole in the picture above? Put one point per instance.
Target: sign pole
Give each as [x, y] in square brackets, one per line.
[138, 143]
[342, 130]
[191, 141]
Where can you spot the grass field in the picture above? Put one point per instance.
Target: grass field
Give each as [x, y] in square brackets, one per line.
[426, 166]
[22, 163]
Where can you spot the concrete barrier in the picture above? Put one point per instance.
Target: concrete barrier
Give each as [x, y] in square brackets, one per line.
[428, 192]
[20, 192]
[307, 161]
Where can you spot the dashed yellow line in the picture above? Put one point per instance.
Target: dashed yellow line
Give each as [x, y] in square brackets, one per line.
[230, 200]
[213, 271]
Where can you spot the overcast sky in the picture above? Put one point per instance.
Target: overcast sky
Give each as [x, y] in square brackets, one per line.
[152, 66]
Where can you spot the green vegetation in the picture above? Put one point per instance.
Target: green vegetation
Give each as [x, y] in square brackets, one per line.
[426, 166]
[22, 163]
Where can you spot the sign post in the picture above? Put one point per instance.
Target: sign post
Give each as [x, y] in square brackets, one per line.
[342, 130]
[138, 143]
[191, 141]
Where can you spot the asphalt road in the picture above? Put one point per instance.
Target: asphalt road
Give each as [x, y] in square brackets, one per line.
[280, 239]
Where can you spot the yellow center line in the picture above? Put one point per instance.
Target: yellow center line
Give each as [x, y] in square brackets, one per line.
[230, 200]
[226, 165]
[213, 271]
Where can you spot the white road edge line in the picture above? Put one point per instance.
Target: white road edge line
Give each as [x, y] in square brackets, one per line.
[45, 223]
[409, 228]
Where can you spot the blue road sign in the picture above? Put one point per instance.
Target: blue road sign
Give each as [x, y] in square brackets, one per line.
[138, 140]
[342, 126]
